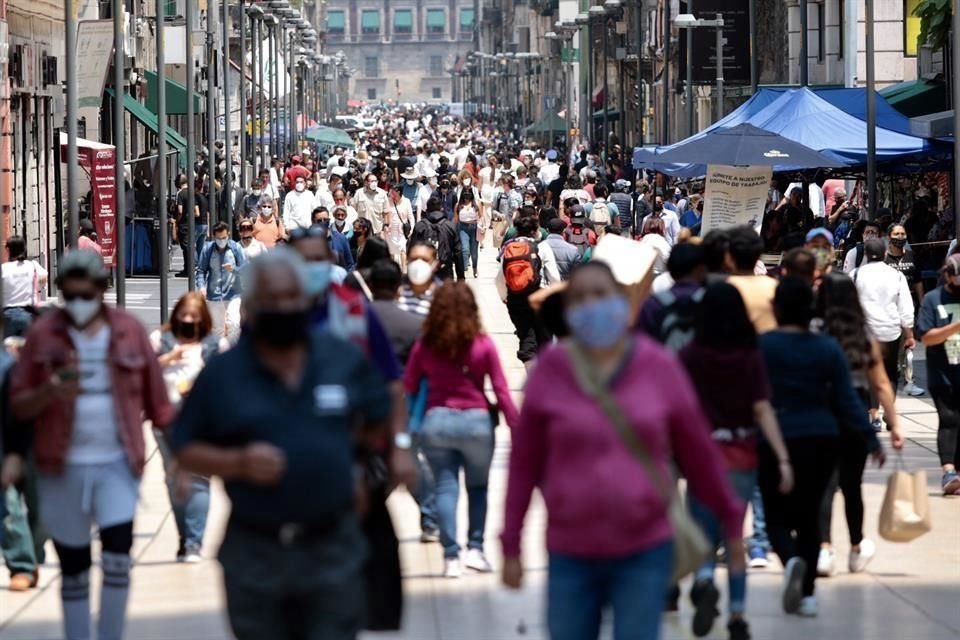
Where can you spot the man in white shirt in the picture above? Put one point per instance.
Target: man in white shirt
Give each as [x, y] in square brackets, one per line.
[550, 170]
[298, 206]
[371, 203]
[23, 283]
[815, 195]
[888, 307]
[855, 256]
[671, 222]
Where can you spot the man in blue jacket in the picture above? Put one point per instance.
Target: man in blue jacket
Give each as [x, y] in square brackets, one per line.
[218, 273]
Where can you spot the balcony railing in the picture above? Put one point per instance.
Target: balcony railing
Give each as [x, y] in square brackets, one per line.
[435, 35]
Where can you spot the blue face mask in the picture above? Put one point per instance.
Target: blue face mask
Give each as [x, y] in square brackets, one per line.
[599, 324]
[318, 278]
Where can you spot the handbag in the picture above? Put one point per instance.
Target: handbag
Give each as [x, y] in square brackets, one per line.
[690, 546]
[493, 408]
[905, 514]
[405, 223]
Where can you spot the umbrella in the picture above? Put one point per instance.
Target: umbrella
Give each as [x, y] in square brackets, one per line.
[329, 135]
[747, 145]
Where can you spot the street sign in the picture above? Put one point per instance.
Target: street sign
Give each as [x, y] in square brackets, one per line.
[568, 54]
[736, 48]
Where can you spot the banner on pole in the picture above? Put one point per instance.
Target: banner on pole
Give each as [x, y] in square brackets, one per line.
[94, 55]
[734, 196]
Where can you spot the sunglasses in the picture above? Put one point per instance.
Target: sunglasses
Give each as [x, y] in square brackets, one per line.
[86, 295]
[301, 233]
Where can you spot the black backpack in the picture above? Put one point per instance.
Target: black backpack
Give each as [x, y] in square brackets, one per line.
[429, 232]
[677, 319]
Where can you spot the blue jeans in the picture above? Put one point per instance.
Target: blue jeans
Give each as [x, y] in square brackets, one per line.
[578, 589]
[190, 514]
[16, 321]
[425, 492]
[469, 245]
[200, 238]
[744, 485]
[455, 439]
[759, 537]
[16, 538]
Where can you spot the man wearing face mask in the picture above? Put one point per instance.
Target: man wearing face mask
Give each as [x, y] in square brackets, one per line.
[416, 293]
[338, 242]
[218, 271]
[299, 415]
[298, 205]
[250, 204]
[671, 222]
[820, 244]
[87, 378]
[266, 226]
[372, 203]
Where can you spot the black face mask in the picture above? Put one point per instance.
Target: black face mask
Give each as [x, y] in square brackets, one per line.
[281, 328]
[658, 207]
[188, 330]
[899, 243]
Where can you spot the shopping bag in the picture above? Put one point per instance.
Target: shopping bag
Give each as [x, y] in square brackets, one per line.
[905, 514]
[500, 226]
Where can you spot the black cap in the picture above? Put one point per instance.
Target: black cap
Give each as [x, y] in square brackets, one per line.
[874, 249]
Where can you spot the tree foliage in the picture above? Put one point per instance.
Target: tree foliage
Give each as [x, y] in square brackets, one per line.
[935, 17]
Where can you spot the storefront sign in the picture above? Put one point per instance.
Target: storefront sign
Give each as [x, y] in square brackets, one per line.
[100, 163]
[94, 53]
[734, 196]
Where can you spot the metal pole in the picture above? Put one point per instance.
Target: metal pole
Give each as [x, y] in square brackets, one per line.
[689, 74]
[189, 258]
[211, 106]
[754, 65]
[954, 200]
[804, 32]
[226, 187]
[119, 91]
[275, 89]
[871, 113]
[164, 253]
[606, 91]
[70, 44]
[244, 150]
[641, 107]
[261, 111]
[720, 66]
[665, 116]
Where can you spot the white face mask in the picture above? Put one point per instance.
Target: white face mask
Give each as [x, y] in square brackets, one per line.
[82, 312]
[257, 192]
[300, 187]
[467, 182]
[420, 272]
[266, 212]
[221, 243]
[371, 186]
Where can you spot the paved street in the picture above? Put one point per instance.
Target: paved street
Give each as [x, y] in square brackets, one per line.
[909, 591]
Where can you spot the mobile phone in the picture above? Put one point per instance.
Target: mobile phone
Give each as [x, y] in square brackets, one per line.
[68, 375]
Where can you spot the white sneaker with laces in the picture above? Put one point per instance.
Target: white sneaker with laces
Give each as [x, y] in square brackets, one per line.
[913, 390]
[808, 607]
[825, 565]
[476, 560]
[860, 559]
[452, 568]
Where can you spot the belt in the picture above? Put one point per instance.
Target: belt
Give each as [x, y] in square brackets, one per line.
[287, 533]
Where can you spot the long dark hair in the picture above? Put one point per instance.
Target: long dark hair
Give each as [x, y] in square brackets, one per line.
[722, 321]
[838, 305]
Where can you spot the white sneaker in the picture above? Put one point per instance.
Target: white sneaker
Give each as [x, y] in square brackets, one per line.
[913, 390]
[476, 560]
[452, 568]
[808, 607]
[825, 565]
[860, 559]
[793, 584]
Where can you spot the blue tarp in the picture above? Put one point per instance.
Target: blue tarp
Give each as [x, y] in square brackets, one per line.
[811, 120]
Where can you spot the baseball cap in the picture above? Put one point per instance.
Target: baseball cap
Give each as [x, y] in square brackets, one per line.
[577, 214]
[874, 249]
[552, 154]
[82, 263]
[820, 231]
[951, 266]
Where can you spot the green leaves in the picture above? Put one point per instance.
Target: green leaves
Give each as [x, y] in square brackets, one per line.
[935, 17]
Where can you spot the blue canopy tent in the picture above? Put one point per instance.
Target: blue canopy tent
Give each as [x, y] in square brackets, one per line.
[803, 116]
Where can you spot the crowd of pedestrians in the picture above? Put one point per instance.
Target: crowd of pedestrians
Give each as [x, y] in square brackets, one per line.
[342, 308]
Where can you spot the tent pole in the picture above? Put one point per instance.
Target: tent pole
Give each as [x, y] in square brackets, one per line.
[804, 34]
[871, 114]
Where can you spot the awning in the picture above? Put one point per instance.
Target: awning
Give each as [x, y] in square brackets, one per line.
[176, 97]
[917, 97]
[435, 18]
[467, 18]
[336, 20]
[403, 19]
[148, 118]
[370, 20]
[611, 115]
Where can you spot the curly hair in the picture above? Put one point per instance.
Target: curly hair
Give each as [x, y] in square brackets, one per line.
[453, 322]
[838, 304]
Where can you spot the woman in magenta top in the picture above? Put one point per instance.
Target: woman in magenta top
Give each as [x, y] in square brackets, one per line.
[608, 533]
[456, 357]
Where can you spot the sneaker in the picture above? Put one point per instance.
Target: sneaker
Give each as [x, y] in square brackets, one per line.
[180, 274]
[452, 568]
[24, 581]
[825, 564]
[793, 584]
[758, 558]
[877, 424]
[704, 596]
[913, 390]
[477, 561]
[738, 629]
[860, 559]
[950, 483]
[191, 554]
[672, 604]
[429, 535]
[808, 607]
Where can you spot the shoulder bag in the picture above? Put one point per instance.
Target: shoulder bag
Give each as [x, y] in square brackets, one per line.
[690, 545]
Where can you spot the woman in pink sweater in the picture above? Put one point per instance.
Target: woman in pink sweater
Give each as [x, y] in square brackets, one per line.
[608, 533]
[456, 357]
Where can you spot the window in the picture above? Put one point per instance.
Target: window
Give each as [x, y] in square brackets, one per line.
[821, 32]
[437, 93]
[436, 66]
[170, 8]
[403, 21]
[911, 28]
[371, 67]
[436, 22]
[370, 22]
[371, 94]
[467, 17]
[336, 23]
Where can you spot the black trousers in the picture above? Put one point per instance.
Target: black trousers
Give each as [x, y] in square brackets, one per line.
[947, 403]
[890, 352]
[848, 476]
[793, 520]
[529, 328]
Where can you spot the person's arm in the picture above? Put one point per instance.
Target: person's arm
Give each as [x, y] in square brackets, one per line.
[156, 400]
[847, 406]
[880, 383]
[500, 387]
[906, 311]
[203, 266]
[551, 271]
[767, 419]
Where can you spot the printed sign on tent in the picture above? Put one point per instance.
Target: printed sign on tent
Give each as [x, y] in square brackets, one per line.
[734, 196]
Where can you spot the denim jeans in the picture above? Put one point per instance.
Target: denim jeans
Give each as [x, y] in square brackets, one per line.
[200, 238]
[456, 439]
[190, 514]
[16, 321]
[16, 540]
[744, 484]
[469, 245]
[759, 537]
[578, 590]
[425, 492]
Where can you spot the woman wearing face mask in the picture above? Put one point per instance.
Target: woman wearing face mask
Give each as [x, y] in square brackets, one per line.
[469, 219]
[250, 245]
[183, 347]
[266, 227]
[417, 292]
[900, 257]
[618, 548]
[455, 358]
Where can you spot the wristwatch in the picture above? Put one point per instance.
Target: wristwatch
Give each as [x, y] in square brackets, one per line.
[402, 441]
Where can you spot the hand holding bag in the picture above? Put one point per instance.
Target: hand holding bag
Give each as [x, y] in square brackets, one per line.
[690, 545]
[905, 514]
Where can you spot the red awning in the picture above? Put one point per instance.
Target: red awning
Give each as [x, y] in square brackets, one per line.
[354, 104]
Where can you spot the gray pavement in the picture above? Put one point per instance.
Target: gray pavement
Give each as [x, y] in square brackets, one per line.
[909, 591]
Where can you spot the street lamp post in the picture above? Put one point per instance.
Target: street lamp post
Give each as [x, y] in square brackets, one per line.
[243, 94]
[227, 184]
[690, 22]
[189, 260]
[120, 146]
[164, 253]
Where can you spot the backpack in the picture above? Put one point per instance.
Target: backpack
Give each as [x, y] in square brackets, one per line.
[521, 265]
[580, 240]
[426, 231]
[600, 214]
[210, 345]
[677, 319]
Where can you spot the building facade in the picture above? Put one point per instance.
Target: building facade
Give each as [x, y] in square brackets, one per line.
[402, 50]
